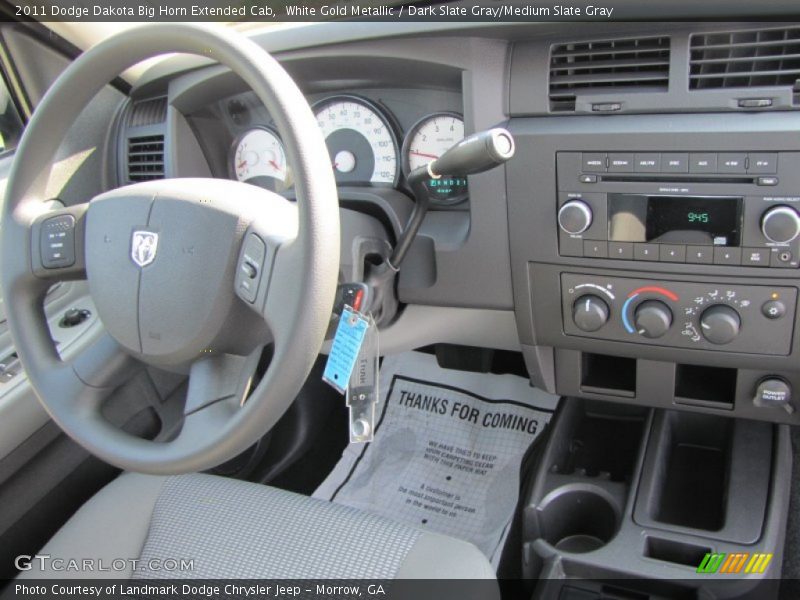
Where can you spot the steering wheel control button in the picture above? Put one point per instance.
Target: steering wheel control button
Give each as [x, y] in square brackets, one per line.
[74, 317]
[590, 313]
[250, 270]
[251, 264]
[57, 242]
[773, 309]
[10, 367]
[774, 392]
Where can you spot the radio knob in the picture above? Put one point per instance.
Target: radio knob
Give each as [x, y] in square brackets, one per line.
[780, 224]
[575, 217]
[720, 324]
[590, 313]
[652, 318]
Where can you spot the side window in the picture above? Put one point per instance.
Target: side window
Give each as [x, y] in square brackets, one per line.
[10, 122]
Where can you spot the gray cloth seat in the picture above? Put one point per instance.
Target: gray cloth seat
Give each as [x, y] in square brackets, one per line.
[143, 526]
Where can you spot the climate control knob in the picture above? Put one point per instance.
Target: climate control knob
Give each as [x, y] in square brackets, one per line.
[575, 217]
[720, 324]
[780, 224]
[590, 313]
[652, 318]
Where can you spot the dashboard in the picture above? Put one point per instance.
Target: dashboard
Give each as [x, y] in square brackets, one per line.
[643, 244]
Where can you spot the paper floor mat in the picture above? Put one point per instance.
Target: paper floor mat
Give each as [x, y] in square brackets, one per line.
[447, 450]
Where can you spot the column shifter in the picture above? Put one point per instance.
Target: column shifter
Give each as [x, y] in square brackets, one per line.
[474, 154]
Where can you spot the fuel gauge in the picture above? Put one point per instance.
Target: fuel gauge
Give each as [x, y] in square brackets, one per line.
[259, 158]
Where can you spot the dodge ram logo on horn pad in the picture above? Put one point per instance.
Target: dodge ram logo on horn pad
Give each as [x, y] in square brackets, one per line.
[143, 247]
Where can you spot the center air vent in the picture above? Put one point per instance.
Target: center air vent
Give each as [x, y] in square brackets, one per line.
[757, 58]
[145, 158]
[632, 65]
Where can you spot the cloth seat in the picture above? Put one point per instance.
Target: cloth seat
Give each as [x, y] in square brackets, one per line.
[209, 527]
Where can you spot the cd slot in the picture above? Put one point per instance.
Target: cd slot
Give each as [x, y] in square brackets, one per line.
[678, 179]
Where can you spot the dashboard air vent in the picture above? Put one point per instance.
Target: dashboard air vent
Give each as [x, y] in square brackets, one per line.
[632, 65]
[145, 158]
[148, 112]
[756, 58]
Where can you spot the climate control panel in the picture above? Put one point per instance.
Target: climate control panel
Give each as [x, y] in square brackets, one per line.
[751, 319]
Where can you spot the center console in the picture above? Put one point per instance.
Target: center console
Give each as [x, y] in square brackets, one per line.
[651, 504]
[656, 259]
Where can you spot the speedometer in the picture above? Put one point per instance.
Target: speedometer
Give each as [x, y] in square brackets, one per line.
[361, 143]
[427, 140]
[259, 158]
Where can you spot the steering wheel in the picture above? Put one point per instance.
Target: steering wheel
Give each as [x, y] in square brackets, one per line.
[181, 271]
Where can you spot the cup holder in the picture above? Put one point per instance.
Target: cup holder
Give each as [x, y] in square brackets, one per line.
[578, 518]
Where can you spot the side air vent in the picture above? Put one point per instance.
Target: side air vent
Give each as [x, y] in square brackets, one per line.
[148, 112]
[145, 158]
[756, 58]
[632, 65]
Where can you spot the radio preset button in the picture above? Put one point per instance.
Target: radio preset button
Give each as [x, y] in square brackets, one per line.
[703, 162]
[700, 255]
[675, 162]
[594, 162]
[645, 252]
[621, 250]
[620, 163]
[762, 162]
[672, 253]
[727, 256]
[575, 217]
[593, 249]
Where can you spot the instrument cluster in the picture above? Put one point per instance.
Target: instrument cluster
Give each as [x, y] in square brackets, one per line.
[364, 144]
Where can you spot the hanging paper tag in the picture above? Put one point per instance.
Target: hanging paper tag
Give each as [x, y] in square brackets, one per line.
[362, 391]
[345, 349]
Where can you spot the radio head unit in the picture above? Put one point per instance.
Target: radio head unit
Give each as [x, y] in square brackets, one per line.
[703, 216]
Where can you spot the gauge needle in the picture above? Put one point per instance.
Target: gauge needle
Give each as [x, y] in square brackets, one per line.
[424, 154]
[242, 165]
[275, 165]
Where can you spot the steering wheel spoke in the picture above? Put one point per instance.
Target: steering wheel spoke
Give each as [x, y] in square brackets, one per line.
[220, 378]
[269, 260]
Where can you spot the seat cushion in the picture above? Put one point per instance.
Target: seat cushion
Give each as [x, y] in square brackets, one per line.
[203, 526]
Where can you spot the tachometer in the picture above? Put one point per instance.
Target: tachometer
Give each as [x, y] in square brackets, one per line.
[427, 140]
[259, 158]
[361, 143]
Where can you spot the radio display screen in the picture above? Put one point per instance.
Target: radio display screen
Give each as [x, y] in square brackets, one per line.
[696, 220]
